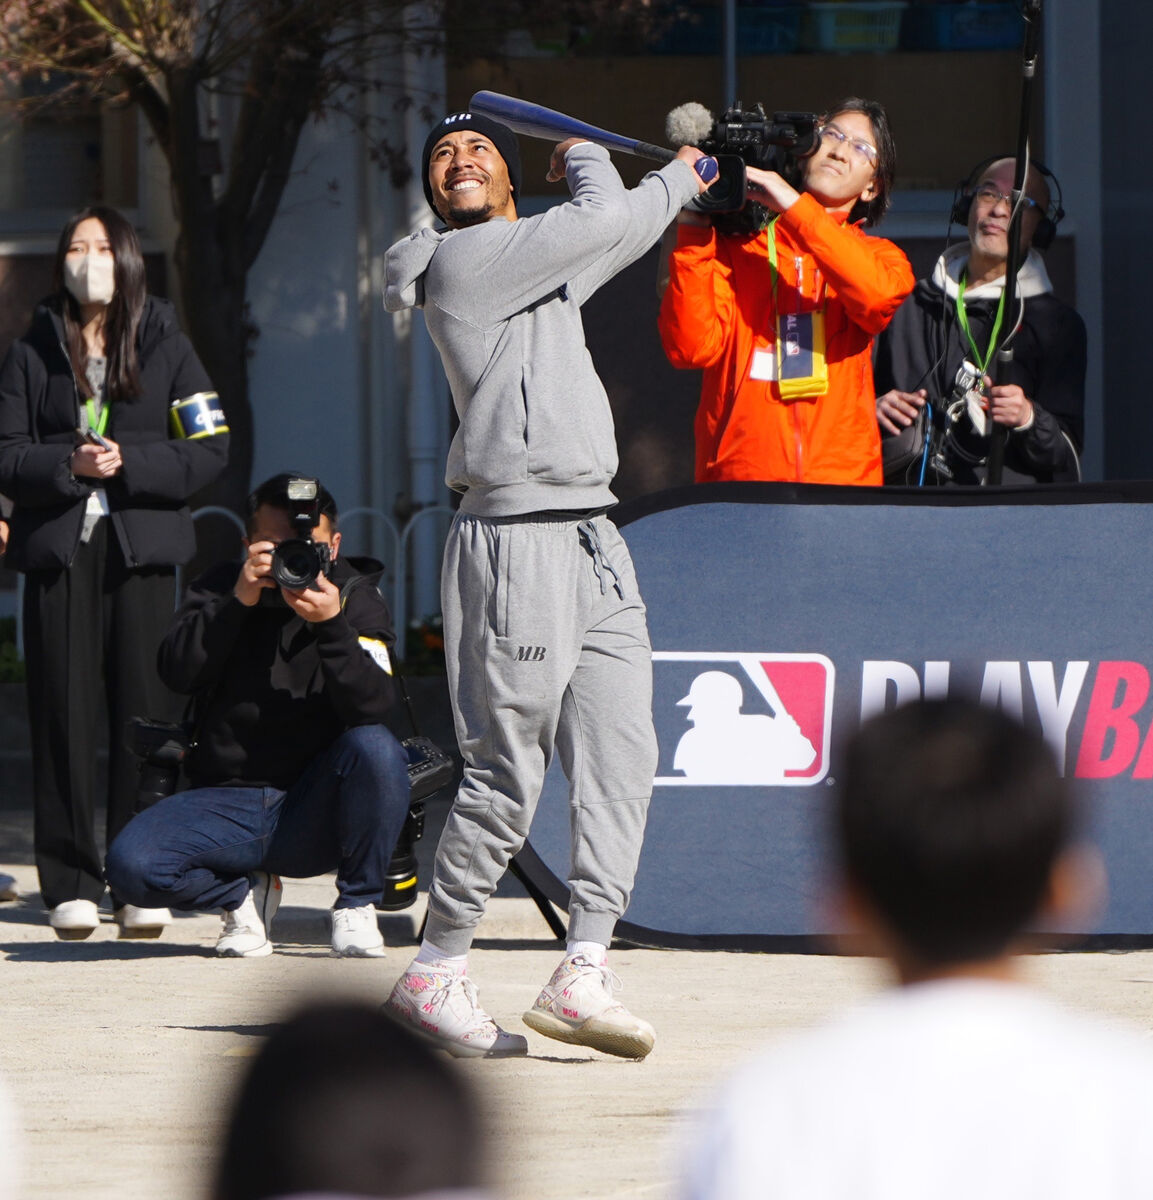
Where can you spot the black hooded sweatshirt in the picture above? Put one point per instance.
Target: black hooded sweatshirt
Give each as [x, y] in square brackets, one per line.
[274, 690]
[39, 414]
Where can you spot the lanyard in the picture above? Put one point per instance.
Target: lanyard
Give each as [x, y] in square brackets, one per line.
[962, 316]
[95, 423]
[771, 230]
[774, 270]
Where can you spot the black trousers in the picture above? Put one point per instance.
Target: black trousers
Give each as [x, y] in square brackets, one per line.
[91, 632]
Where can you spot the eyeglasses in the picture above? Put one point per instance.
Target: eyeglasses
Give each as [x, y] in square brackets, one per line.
[838, 137]
[988, 194]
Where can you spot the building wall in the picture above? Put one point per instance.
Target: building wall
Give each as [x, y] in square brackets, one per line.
[332, 381]
[306, 374]
[343, 389]
[1127, 257]
[948, 110]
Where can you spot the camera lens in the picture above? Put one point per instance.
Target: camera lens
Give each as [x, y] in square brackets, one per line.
[295, 564]
[400, 877]
[399, 881]
[727, 194]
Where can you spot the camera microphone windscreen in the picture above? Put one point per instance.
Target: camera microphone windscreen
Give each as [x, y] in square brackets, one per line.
[688, 124]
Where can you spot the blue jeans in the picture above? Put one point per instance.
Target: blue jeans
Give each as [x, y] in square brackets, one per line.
[195, 849]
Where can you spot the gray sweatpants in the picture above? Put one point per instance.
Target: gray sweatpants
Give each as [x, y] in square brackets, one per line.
[547, 647]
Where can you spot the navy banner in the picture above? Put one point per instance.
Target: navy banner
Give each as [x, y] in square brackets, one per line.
[782, 615]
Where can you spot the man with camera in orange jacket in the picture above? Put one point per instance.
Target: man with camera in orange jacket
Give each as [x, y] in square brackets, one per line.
[782, 320]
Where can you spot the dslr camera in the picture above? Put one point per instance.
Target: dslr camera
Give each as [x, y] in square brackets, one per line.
[748, 137]
[400, 876]
[161, 748]
[429, 770]
[298, 562]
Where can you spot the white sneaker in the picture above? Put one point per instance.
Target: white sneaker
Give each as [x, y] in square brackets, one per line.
[245, 932]
[74, 919]
[577, 1006]
[443, 1007]
[8, 889]
[355, 933]
[137, 922]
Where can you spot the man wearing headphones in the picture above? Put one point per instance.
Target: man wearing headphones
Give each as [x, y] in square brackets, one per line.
[935, 360]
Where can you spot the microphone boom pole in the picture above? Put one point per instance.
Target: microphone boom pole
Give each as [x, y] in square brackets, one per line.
[1030, 52]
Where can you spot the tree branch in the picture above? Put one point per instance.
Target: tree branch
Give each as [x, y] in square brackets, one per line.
[111, 28]
[283, 87]
[153, 105]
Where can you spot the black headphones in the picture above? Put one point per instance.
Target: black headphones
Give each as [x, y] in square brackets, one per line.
[1046, 229]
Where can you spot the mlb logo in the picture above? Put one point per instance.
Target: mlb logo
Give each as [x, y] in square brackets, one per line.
[742, 720]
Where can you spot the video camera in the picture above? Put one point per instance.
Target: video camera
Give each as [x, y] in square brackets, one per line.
[298, 561]
[748, 137]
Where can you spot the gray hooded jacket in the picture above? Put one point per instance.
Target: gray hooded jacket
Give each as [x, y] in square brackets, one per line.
[502, 303]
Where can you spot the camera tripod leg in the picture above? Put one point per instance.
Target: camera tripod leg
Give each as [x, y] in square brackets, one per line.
[544, 905]
[539, 899]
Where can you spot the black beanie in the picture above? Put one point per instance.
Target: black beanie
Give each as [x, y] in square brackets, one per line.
[500, 135]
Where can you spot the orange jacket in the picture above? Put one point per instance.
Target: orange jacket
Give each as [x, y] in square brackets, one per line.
[718, 309]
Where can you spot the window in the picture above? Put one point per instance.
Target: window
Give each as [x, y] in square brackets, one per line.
[55, 161]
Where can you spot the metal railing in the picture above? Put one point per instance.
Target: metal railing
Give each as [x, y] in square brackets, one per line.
[400, 540]
[396, 573]
[209, 510]
[399, 609]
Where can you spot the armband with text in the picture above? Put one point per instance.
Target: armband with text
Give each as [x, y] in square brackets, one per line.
[378, 652]
[197, 416]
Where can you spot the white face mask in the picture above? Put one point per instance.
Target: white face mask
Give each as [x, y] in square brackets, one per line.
[91, 279]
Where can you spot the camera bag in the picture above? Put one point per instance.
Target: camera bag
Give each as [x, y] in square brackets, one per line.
[900, 451]
[429, 767]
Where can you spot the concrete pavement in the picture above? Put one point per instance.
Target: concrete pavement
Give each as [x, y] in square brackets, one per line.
[122, 1055]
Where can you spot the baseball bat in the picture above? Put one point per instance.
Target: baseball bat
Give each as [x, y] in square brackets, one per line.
[534, 120]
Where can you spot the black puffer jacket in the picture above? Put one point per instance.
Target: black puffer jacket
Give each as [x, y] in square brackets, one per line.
[275, 690]
[39, 414]
[924, 345]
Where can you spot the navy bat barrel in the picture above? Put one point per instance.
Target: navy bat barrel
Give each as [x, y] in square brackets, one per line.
[534, 120]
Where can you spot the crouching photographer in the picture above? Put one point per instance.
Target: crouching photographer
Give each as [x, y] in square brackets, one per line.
[292, 769]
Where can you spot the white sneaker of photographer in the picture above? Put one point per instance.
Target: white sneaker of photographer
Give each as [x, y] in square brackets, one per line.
[137, 922]
[245, 932]
[577, 1005]
[355, 933]
[74, 919]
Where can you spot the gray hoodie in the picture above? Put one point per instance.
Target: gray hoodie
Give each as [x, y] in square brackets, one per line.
[1032, 278]
[502, 303]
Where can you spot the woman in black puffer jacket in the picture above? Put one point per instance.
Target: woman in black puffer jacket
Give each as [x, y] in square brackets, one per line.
[99, 467]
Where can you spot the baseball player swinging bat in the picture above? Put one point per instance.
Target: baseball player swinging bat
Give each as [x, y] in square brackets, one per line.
[534, 120]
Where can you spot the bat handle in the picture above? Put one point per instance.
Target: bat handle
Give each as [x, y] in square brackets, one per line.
[707, 168]
[657, 153]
